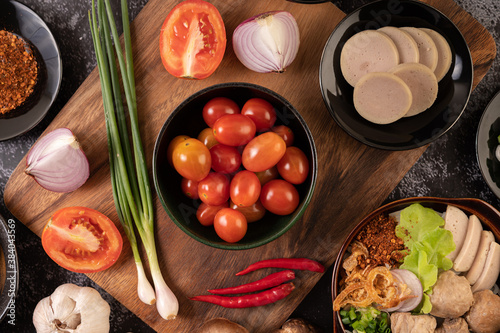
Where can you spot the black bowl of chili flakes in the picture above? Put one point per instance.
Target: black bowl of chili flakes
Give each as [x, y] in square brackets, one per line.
[30, 66]
[376, 232]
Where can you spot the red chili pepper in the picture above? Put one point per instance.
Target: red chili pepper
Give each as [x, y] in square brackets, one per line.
[269, 281]
[250, 300]
[288, 263]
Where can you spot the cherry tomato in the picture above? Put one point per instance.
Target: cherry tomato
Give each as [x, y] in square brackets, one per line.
[206, 213]
[82, 240]
[230, 225]
[263, 152]
[234, 129]
[245, 187]
[214, 189]
[172, 145]
[267, 175]
[218, 107]
[252, 213]
[190, 188]
[192, 40]
[191, 159]
[285, 133]
[207, 137]
[294, 166]
[279, 197]
[225, 159]
[261, 112]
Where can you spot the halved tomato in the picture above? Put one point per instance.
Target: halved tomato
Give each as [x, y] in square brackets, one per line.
[192, 40]
[82, 240]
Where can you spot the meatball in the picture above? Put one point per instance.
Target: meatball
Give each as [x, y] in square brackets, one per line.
[484, 315]
[405, 322]
[451, 296]
[455, 325]
[296, 325]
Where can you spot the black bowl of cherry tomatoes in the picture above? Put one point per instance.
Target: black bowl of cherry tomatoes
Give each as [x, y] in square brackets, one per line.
[234, 166]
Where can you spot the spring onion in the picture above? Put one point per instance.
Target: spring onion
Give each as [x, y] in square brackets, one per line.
[366, 320]
[128, 169]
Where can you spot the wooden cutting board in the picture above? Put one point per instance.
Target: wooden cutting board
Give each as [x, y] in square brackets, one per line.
[353, 179]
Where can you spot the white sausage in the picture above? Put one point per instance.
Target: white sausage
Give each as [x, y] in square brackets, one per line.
[456, 221]
[491, 270]
[465, 258]
[482, 253]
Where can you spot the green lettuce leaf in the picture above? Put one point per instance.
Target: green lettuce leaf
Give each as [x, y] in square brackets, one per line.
[417, 262]
[425, 305]
[416, 222]
[437, 244]
[429, 244]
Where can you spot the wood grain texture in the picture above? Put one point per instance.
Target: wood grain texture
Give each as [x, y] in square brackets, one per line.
[353, 179]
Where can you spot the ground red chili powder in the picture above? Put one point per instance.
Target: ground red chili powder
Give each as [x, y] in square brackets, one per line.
[18, 71]
[380, 239]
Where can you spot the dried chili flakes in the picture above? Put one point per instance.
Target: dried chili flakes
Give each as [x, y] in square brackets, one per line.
[384, 247]
[18, 71]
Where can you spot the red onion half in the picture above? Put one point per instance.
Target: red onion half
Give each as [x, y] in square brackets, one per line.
[267, 42]
[57, 162]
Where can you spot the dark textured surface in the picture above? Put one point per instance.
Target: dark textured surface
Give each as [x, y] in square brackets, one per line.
[447, 169]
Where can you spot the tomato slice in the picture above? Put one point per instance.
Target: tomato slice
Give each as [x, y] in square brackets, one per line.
[82, 240]
[192, 40]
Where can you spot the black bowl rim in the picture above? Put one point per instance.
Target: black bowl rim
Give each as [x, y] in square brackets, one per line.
[383, 146]
[8, 295]
[485, 211]
[482, 138]
[302, 206]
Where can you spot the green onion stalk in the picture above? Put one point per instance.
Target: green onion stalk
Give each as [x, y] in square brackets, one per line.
[128, 168]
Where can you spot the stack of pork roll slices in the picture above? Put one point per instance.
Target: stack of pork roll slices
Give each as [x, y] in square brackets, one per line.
[394, 71]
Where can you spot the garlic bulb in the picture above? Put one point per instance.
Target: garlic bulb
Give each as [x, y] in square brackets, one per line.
[72, 309]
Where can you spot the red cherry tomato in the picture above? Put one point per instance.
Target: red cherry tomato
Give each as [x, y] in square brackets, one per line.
[225, 159]
[191, 159]
[82, 240]
[214, 189]
[192, 40]
[263, 152]
[189, 188]
[294, 166]
[267, 175]
[279, 197]
[206, 213]
[245, 188]
[218, 107]
[230, 225]
[234, 129]
[252, 213]
[207, 137]
[170, 149]
[261, 112]
[285, 133]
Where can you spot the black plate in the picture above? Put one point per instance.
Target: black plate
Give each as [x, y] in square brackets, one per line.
[21, 20]
[486, 143]
[410, 132]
